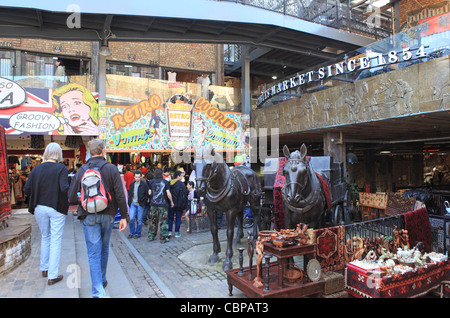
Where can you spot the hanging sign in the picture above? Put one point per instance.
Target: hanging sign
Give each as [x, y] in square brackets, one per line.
[179, 122]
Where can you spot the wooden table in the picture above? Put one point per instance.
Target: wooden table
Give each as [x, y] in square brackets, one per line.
[277, 288]
[284, 253]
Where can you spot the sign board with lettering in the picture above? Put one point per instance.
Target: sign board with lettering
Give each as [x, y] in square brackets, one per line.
[68, 110]
[178, 124]
[11, 94]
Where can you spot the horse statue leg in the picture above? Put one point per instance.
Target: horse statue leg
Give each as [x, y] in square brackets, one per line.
[231, 218]
[214, 258]
[240, 228]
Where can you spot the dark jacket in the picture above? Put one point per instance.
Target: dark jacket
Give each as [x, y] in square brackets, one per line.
[47, 185]
[179, 195]
[112, 180]
[142, 192]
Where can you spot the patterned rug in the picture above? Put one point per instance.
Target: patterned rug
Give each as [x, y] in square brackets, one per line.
[419, 228]
[277, 197]
[5, 198]
[330, 248]
[415, 283]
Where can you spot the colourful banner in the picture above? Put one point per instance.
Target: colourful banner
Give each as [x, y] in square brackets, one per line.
[68, 110]
[177, 124]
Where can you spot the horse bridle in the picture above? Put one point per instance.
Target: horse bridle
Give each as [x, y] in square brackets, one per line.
[306, 202]
[223, 192]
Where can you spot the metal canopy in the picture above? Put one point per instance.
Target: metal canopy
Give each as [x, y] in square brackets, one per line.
[291, 44]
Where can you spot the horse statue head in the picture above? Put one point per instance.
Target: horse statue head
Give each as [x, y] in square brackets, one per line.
[296, 173]
[303, 198]
[206, 166]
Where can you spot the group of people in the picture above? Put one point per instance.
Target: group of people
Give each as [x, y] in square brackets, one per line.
[50, 194]
[163, 197]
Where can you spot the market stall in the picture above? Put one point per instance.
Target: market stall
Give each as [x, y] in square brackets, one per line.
[399, 264]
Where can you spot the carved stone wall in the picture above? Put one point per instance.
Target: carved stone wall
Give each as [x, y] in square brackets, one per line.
[419, 88]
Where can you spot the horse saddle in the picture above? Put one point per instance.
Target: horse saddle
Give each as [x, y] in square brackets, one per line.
[242, 180]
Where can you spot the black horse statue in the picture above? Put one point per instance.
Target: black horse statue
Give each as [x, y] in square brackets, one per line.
[226, 190]
[303, 198]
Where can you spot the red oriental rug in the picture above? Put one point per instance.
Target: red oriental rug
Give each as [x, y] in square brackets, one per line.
[415, 283]
[277, 197]
[419, 228]
[330, 248]
[5, 198]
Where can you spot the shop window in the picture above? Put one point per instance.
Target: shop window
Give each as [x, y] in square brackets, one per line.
[5, 67]
[30, 68]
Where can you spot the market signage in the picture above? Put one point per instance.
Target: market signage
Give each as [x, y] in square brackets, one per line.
[11, 93]
[179, 111]
[344, 67]
[68, 110]
[178, 124]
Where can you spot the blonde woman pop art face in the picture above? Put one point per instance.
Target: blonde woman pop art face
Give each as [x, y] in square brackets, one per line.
[79, 109]
[74, 109]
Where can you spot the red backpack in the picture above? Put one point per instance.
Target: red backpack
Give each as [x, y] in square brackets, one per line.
[95, 196]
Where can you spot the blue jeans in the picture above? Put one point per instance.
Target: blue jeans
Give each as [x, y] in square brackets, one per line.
[175, 213]
[97, 233]
[137, 213]
[51, 223]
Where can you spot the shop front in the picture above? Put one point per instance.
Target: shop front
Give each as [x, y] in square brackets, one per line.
[152, 124]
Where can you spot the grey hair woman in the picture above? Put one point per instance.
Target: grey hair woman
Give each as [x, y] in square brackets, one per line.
[48, 187]
[53, 152]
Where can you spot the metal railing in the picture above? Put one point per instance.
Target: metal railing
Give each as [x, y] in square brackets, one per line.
[368, 21]
[374, 228]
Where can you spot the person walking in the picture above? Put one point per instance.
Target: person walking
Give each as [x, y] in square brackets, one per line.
[160, 195]
[128, 177]
[179, 196]
[191, 211]
[47, 187]
[97, 227]
[137, 200]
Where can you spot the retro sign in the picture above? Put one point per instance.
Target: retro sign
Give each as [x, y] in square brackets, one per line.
[178, 124]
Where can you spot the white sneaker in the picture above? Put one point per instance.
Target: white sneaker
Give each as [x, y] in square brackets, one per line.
[170, 234]
[177, 235]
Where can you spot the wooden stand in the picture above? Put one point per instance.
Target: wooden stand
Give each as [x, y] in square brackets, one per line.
[274, 284]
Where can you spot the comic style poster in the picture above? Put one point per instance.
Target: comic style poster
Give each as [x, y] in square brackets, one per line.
[68, 110]
[176, 124]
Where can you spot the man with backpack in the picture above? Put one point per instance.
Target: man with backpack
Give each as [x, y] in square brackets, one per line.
[137, 200]
[101, 195]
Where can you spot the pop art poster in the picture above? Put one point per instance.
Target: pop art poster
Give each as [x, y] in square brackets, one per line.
[68, 110]
[177, 124]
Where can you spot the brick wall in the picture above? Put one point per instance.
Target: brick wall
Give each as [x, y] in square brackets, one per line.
[188, 56]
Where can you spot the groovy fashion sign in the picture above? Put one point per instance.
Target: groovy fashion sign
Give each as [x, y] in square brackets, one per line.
[178, 124]
[68, 110]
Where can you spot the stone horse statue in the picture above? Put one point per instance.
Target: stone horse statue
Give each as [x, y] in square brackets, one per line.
[226, 190]
[303, 198]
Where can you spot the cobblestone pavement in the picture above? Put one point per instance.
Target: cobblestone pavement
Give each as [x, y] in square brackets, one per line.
[180, 266]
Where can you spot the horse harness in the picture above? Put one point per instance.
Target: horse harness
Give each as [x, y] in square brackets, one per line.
[234, 175]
